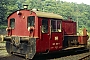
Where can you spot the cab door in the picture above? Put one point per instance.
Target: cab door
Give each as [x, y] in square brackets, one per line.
[44, 35]
[56, 35]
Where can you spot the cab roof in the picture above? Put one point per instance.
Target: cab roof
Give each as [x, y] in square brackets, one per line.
[48, 15]
[43, 14]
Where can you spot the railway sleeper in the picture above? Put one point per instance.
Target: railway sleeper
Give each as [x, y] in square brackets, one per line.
[85, 58]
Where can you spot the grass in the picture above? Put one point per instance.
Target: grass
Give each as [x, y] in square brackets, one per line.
[3, 51]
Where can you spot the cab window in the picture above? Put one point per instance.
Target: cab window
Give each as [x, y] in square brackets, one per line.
[58, 26]
[44, 25]
[30, 21]
[12, 23]
[55, 26]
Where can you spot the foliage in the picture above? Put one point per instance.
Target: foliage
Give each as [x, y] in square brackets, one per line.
[78, 12]
[6, 7]
[3, 27]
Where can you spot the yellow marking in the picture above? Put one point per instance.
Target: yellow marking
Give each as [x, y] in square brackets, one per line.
[56, 47]
[52, 47]
[53, 44]
[56, 38]
[57, 43]
[60, 46]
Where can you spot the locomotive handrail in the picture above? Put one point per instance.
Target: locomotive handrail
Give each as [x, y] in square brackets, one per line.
[50, 32]
[40, 32]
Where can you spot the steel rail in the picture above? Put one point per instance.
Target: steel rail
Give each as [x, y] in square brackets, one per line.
[85, 58]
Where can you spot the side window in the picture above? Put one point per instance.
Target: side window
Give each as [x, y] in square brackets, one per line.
[12, 23]
[45, 26]
[30, 21]
[55, 26]
[58, 26]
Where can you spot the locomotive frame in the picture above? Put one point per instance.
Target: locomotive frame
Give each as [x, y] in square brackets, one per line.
[33, 32]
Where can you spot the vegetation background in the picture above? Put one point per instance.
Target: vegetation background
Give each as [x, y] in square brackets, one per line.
[79, 12]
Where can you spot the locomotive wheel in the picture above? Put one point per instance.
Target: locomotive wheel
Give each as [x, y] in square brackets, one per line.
[8, 47]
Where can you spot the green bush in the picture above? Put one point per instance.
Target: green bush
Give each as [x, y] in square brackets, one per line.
[3, 27]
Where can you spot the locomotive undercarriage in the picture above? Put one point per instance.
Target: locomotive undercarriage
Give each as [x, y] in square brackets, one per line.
[23, 46]
[71, 41]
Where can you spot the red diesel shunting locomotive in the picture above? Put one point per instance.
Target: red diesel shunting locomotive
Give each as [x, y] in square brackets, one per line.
[32, 32]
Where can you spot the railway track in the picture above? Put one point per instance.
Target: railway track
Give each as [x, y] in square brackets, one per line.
[77, 56]
[59, 56]
[81, 56]
[85, 58]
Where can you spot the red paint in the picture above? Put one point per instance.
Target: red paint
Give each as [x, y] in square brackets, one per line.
[82, 39]
[21, 23]
[57, 43]
[47, 40]
[69, 27]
